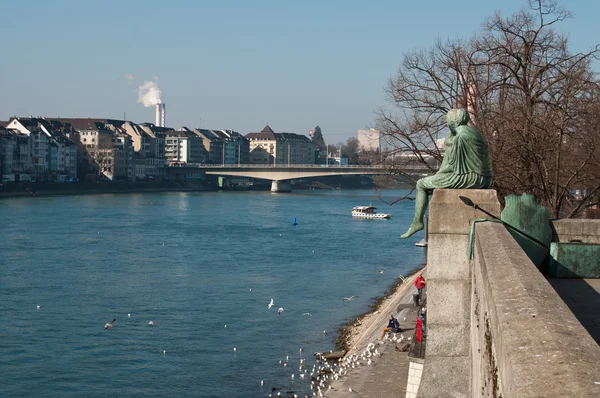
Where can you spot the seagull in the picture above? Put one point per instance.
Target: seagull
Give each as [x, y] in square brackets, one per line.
[262, 382]
[225, 326]
[349, 298]
[381, 271]
[271, 304]
[38, 307]
[280, 310]
[234, 349]
[128, 315]
[307, 314]
[164, 352]
[110, 324]
[151, 323]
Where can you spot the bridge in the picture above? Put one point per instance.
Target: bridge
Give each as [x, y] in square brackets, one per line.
[281, 174]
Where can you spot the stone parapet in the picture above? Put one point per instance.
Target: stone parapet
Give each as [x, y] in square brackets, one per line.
[568, 230]
[525, 340]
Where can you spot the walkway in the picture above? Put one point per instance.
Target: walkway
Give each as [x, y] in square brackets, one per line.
[387, 376]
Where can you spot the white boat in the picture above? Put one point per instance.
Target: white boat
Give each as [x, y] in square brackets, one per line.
[368, 212]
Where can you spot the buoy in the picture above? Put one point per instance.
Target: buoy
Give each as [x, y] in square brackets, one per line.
[294, 222]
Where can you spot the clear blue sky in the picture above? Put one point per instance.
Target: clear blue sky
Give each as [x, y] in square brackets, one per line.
[230, 64]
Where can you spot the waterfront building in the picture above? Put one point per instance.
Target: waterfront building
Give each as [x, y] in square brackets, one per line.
[268, 147]
[236, 148]
[184, 146]
[15, 157]
[106, 150]
[213, 145]
[148, 143]
[53, 155]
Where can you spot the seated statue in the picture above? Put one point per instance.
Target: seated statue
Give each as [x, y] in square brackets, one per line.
[467, 164]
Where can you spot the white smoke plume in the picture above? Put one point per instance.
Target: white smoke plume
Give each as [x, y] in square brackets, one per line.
[149, 93]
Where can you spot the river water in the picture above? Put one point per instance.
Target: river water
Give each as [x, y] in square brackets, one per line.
[191, 263]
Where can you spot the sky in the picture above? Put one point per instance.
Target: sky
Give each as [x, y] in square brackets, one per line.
[231, 64]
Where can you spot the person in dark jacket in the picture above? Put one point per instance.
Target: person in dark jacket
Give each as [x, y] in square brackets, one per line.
[393, 326]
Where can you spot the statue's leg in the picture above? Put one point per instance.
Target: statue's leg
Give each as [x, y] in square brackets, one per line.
[420, 207]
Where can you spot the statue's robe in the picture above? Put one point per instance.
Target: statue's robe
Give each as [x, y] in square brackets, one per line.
[467, 162]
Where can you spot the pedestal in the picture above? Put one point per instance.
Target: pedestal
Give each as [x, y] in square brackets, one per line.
[447, 370]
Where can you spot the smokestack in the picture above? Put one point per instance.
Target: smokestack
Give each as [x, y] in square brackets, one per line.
[160, 115]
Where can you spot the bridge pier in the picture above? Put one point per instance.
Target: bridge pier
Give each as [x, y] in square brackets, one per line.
[280, 186]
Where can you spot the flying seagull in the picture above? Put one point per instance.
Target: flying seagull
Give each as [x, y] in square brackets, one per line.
[271, 304]
[110, 324]
[280, 310]
[349, 298]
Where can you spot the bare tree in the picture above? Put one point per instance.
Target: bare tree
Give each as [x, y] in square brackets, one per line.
[533, 100]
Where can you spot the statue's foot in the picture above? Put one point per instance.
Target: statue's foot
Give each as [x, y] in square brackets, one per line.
[415, 227]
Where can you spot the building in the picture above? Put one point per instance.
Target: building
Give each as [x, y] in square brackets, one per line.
[105, 149]
[184, 146]
[15, 156]
[268, 147]
[370, 140]
[213, 145]
[236, 148]
[53, 155]
[148, 143]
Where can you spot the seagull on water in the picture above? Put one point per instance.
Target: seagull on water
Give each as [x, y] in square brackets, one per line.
[280, 310]
[128, 315]
[110, 324]
[349, 298]
[307, 314]
[271, 304]
[38, 307]
[381, 271]
[151, 323]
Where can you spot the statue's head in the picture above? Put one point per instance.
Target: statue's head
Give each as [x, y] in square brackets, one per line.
[457, 117]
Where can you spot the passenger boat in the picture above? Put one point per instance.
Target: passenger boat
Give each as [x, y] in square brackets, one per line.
[368, 212]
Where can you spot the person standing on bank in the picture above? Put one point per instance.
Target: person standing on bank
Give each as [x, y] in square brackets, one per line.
[420, 283]
[467, 164]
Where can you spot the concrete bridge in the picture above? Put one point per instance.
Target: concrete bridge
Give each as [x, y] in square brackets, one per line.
[281, 174]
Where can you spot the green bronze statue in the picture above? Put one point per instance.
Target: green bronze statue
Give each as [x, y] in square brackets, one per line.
[467, 164]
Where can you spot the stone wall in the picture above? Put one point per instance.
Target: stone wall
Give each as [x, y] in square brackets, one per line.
[525, 340]
[495, 326]
[568, 230]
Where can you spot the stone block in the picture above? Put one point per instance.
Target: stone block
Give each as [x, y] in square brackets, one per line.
[448, 340]
[447, 257]
[449, 302]
[449, 215]
[446, 377]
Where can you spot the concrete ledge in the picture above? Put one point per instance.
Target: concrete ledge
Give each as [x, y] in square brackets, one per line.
[451, 216]
[540, 347]
[445, 377]
[587, 231]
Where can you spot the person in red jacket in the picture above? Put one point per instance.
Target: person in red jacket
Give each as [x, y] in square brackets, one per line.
[420, 283]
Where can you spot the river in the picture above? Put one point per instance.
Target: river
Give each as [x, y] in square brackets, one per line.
[191, 263]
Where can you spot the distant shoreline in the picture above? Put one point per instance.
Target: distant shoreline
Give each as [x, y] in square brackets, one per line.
[29, 190]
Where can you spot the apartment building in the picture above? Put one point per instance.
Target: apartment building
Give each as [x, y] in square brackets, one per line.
[268, 147]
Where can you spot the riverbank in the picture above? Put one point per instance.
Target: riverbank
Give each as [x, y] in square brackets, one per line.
[358, 333]
[88, 188]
